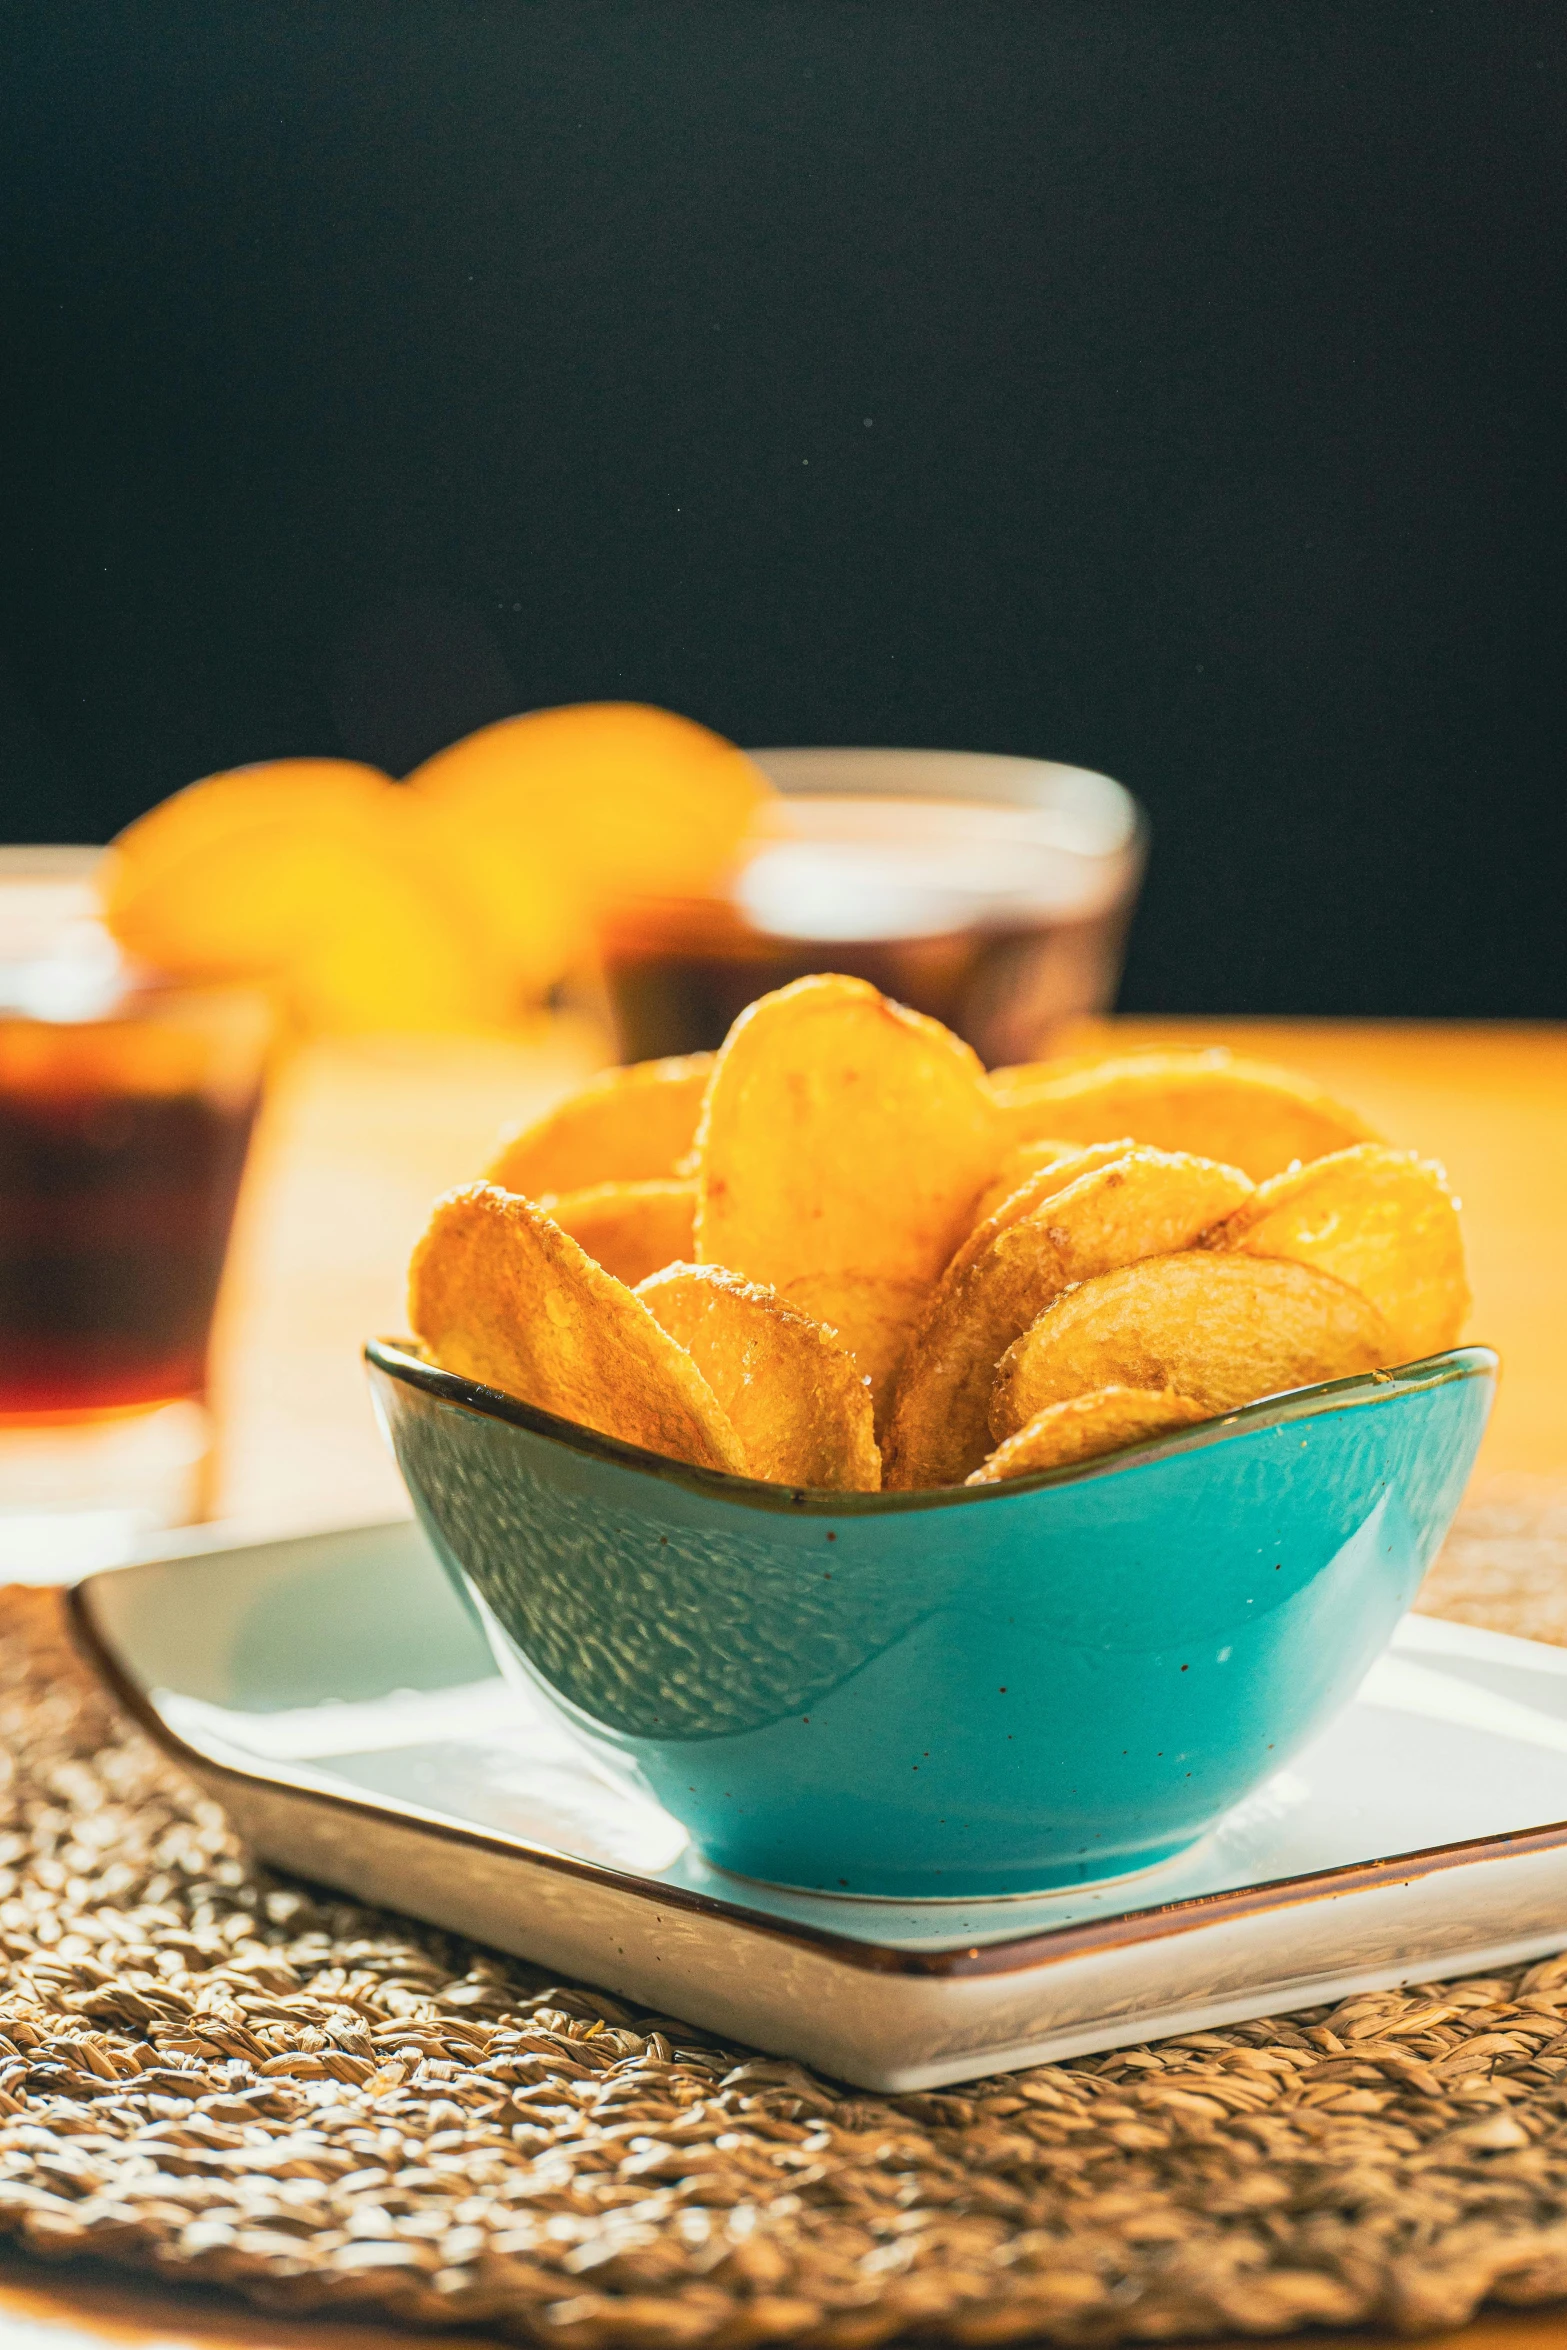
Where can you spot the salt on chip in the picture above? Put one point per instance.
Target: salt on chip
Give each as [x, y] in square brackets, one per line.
[1053, 1176]
[1382, 1220]
[1223, 1330]
[631, 1229]
[843, 1144]
[625, 1126]
[1086, 1427]
[1247, 1113]
[1018, 1167]
[1142, 1204]
[799, 1405]
[498, 1293]
[994, 1213]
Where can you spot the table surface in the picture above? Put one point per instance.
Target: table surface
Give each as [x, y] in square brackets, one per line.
[359, 1137]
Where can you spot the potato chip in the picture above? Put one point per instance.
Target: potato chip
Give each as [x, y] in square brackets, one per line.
[498, 1293]
[1246, 1113]
[1022, 1076]
[631, 1229]
[801, 1408]
[314, 874]
[156, 879]
[1141, 1204]
[598, 800]
[1380, 1219]
[1223, 1330]
[943, 1304]
[1018, 1167]
[947, 1366]
[843, 1144]
[1085, 1427]
[625, 1126]
[1052, 1175]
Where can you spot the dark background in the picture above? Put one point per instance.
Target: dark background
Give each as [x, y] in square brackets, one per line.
[1175, 389]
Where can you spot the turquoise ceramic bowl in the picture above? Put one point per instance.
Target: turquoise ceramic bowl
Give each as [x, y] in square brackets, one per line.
[981, 1690]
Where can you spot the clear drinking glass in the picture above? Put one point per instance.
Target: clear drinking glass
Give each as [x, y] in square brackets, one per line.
[992, 892]
[126, 1108]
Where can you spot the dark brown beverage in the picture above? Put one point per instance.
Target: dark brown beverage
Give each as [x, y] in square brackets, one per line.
[115, 1210]
[679, 975]
[1007, 922]
[126, 1106]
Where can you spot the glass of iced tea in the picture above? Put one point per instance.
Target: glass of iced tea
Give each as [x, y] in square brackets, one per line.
[126, 1108]
[992, 892]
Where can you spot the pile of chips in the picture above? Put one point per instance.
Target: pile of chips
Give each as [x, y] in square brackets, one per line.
[453, 900]
[837, 1254]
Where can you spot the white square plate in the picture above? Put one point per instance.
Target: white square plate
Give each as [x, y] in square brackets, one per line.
[336, 1696]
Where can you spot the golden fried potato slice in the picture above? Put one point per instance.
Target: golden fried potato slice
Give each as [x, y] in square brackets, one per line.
[1052, 1175]
[228, 874]
[498, 1293]
[1223, 1330]
[1141, 1204]
[1246, 1113]
[299, 872]
[800, 1406]
[631, 1229]
[624, 1126]
[843, 1144]
[1086, 1426]
[1018, 1167]
[618, 797]
[1018, 1076]
[1382, 1220]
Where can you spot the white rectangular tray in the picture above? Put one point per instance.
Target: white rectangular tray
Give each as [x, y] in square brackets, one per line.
[334, 1694]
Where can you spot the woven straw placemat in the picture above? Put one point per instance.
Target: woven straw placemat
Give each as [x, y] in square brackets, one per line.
[213, 2074]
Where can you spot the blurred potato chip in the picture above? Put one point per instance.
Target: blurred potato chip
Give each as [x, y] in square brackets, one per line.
[450, 901]
[314, 875]
[498, 1293]
[533, 914]
[1246, 1113]
[1018, 1167]
[603, 799]
[399, 950]
[800, 1407]
[1223, 1330]
[1086, 1426]
[200, 882]
[631, 1229]
[625, 1126]
[1143, 1203]
[843, 1144]
[1382, 1220]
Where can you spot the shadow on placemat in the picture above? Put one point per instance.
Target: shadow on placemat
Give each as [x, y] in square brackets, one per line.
[221, 2077]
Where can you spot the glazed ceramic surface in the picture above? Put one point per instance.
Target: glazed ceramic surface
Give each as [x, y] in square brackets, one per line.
[974, 1692]
[335, 1694]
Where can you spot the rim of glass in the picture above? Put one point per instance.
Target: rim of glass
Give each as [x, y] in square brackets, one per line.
[1002, 778]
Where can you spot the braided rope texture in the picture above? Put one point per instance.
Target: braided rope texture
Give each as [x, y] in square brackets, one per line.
[213, 2074]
